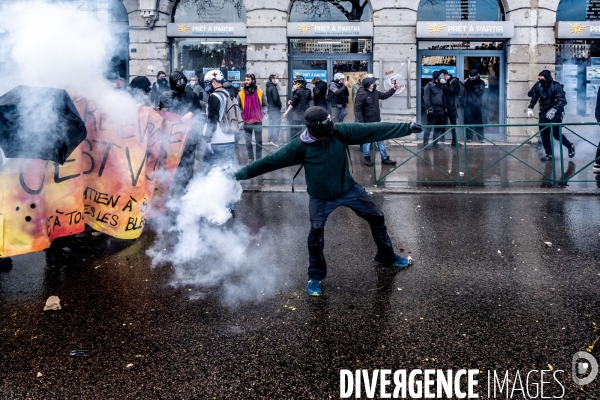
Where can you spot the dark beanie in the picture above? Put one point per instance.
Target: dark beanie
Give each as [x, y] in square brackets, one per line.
[174, 77]
[140, 83]
[160, 73]
[473, 72]
[546, 74]
[444, 71]
[317, 122]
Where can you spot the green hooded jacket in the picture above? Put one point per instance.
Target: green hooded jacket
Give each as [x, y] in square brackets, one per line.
[326, 163]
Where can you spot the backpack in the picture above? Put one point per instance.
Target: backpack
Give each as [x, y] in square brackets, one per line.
[461, 95]
[337, 135]
[230, 114]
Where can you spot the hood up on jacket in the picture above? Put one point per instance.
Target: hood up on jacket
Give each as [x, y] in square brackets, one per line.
[368, 82]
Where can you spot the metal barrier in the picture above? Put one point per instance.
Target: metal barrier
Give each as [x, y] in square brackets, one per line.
[468, 168]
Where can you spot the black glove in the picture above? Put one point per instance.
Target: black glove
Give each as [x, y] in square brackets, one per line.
[416, 128]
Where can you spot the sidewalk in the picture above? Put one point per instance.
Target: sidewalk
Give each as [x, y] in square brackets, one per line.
[447, 170]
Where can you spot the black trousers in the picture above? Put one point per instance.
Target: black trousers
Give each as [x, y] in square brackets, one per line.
[437, 117]
[257, 128]
[452, 115]
[473, 116]
[545, 132]
[361, 203]
[298, 129]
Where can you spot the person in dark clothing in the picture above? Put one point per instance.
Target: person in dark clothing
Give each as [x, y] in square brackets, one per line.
[552, 105]
[451, 87]
[319, 92]
[232, 90]
[596, 166]
[195, 87]
[161, 85]
[339, 94]
[475, 88]
[321, 148]
[298, 105]
[435, 107]
[184, 102]
[366, 109]
[140, 88]
[274, 110]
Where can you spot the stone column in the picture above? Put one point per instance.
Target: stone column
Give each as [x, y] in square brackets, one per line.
[395, 39]
[151, 45]
[267, 41]
[530, 51]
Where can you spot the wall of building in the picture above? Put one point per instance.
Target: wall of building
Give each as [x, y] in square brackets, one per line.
[529, 51]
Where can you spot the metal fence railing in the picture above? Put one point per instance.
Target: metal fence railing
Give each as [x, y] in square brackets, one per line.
[474, 164]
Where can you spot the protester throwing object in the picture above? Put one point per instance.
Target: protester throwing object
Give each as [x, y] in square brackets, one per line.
[322, 149]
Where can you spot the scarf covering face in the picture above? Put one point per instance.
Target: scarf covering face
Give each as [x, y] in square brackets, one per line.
[318, 123]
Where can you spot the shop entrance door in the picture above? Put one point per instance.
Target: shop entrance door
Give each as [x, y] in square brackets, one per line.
[325, 66]
[488, 107]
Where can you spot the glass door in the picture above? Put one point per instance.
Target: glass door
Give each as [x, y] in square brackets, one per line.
[479, 108]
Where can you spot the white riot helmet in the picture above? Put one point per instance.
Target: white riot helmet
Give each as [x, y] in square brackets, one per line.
[213, 75]
[338, 76]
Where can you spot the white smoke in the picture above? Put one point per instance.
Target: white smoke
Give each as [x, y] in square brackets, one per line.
[206, 252]
[59, 46]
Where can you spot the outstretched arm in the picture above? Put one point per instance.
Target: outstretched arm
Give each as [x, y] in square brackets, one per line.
[354, 133]
[286, 156]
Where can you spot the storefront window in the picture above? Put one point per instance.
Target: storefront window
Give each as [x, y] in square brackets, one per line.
[210, 11]
[364, 46]
[460, 10]
[330, 11]
[578, 10]
[196, 56]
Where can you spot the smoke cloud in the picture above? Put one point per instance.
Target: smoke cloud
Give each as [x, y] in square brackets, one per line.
[207, 252]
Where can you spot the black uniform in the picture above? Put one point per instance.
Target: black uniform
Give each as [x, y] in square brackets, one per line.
[435, 105]
[551, 95]
[300, 103]
[475, 89]
[181, 101]
[451, 89]
[320, 94]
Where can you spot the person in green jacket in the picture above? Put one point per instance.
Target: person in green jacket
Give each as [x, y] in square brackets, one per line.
[321, 147]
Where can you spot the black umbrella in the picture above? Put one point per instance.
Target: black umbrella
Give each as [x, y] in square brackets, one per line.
[37, 122]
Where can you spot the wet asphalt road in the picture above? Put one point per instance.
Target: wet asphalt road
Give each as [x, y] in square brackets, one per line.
[485, 293]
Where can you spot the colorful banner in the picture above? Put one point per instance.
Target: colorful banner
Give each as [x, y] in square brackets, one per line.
[111, 182]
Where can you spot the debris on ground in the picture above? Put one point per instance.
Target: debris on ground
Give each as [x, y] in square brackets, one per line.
[79, 353]
[39, 375]
[52, 304]
[548, 244]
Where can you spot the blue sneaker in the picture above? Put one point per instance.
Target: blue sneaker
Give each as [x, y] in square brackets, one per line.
[313, 287]
[399, 263]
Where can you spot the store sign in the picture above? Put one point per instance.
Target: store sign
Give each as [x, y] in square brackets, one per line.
[329, 29]
[577, 30]
[236, 29]
[428, 70]
[495, 30]
[309, 74]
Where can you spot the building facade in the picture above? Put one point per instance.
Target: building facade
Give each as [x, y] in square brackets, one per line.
[508, 41]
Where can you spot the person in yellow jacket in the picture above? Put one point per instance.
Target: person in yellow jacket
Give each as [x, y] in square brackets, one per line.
[253, 102]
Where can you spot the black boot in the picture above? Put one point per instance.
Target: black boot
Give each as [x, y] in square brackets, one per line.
[387, 161]
[368, 162]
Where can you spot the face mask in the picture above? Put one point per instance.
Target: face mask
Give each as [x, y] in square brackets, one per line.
[374, 86]
[473, 77]
[207, 88]
[298, 85]
[276, 81]
[192, 83]
[163, 81]
[442, 81]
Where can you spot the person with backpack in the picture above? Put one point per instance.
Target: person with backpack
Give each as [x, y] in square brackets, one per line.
[219, 133]
[552, 100]
[367, 110]
[184, 102]
[338, 94]
[451, 86]
[322, 149]
[274, 111]
[253, 102]
[475, 88]
[298, 105]
[433, 96]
